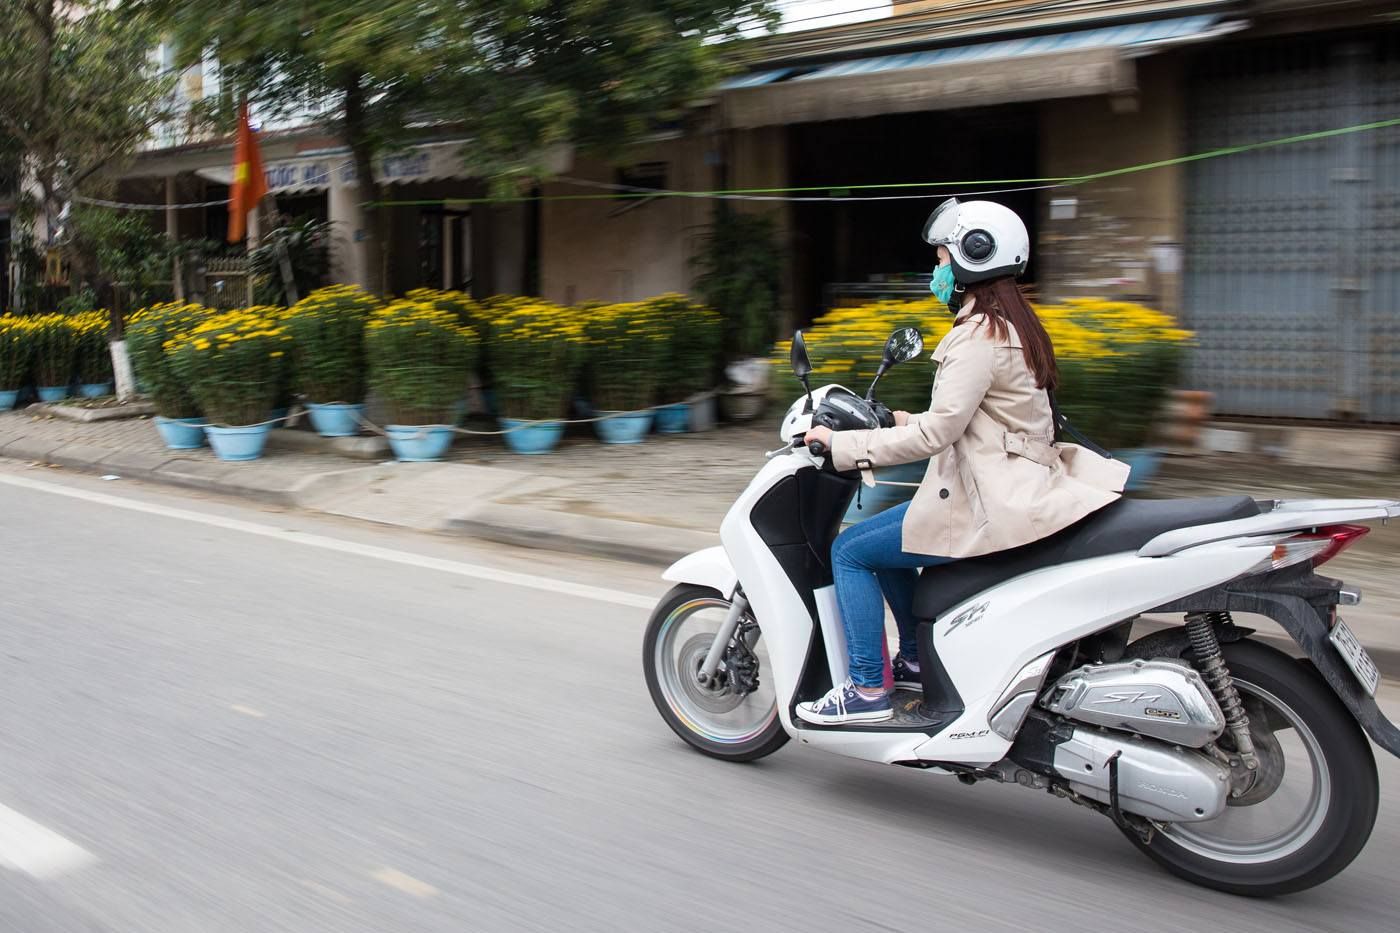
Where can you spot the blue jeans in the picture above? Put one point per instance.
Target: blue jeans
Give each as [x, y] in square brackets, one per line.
[868, 560]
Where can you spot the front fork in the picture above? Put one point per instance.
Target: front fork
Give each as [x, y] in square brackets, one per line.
[738, 605]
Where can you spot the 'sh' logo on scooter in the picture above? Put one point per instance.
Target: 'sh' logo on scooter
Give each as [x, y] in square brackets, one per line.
[966, 617]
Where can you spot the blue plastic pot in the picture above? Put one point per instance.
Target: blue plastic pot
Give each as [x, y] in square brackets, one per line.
[415, 443]
[8, 399]
[181, 433]
[630, 427]
[1143, 462]
[532, 437]
[335, 419]
[95, 389]
[238, 444]
[52, 393]
[673, 419]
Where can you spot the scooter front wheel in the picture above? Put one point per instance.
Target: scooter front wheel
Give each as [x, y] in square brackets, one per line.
[735, 715]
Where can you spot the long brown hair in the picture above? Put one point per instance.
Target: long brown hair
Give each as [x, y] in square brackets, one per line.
[1003, 303]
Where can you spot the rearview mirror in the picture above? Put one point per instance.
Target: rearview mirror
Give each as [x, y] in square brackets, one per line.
[903, 345]
[801, 365]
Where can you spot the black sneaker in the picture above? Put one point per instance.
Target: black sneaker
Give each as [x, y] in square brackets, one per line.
[905, 677]
[843, 703]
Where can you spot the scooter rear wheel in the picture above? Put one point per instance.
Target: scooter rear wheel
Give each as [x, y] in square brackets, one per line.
[1313, 820]
[720, 721]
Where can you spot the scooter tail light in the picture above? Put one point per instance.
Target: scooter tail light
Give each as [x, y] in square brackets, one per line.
[1318, 546]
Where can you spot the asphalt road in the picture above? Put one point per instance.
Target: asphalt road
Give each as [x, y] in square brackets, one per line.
[240, 719]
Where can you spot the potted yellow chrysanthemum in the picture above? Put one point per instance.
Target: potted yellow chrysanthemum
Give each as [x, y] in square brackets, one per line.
[419, 358]
[148, 332]
[328, 340]
[536, 349]
[234, 363]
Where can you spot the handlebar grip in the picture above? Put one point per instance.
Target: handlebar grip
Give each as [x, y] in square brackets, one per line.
[817, 449]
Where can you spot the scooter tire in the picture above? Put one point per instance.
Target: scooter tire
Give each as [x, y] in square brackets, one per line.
[1352, 798]
[772, 738]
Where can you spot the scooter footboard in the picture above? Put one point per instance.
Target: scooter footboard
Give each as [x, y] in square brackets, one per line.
[1299, 606]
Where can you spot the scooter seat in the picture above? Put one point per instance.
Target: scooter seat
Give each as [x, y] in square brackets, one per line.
[1125, 525]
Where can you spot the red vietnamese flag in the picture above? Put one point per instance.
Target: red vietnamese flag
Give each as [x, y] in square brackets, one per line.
[249, 182]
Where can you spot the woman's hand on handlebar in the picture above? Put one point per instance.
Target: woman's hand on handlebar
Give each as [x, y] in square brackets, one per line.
[819, 435]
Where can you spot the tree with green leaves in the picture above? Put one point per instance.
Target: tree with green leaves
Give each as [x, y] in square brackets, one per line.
[79, 91]
[517, 77]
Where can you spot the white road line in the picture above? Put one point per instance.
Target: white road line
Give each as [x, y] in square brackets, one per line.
[36, 850]
[474, 571]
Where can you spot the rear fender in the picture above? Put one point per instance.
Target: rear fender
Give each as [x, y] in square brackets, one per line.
[1300, 600]
[710, 567]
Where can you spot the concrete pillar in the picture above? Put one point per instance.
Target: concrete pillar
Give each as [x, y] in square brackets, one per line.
[347, 219]
[1119, 236]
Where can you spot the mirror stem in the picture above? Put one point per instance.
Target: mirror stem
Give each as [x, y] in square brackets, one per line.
[870, 392]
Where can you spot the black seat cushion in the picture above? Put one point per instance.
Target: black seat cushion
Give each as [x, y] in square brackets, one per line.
[1125, 525]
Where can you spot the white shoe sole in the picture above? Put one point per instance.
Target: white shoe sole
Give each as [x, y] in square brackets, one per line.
[883, 715]
[908, 685]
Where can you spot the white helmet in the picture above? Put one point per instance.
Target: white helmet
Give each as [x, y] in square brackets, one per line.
[986, 240]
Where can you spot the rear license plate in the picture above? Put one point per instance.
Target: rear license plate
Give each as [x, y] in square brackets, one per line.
[1356, 657]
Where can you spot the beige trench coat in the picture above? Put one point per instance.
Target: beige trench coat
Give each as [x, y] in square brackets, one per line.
[996, 480]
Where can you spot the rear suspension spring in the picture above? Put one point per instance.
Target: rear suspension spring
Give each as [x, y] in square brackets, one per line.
[1200, 628]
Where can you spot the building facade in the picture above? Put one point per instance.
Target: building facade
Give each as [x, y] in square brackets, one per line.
[1080, 116]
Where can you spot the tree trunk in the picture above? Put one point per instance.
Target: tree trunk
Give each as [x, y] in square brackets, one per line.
[375, 244]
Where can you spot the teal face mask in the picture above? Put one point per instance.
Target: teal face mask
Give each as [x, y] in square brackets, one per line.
[942, 283]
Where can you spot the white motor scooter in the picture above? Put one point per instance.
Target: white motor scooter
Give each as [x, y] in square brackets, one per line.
[1227, 761]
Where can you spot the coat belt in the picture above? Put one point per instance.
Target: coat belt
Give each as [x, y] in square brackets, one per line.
[1037, 449]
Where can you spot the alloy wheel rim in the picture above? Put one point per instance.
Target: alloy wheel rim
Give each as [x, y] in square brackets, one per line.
[715, 714]
[1297, 809]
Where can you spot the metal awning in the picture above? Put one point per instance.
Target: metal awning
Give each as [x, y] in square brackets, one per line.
[1071, 64]
[332, 167]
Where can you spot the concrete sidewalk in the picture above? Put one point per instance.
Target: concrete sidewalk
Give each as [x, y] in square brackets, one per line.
[652, 502]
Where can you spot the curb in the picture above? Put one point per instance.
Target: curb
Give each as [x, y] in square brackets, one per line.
[657, 545]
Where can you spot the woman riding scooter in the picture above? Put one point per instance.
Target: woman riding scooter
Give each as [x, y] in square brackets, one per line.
[997, 479]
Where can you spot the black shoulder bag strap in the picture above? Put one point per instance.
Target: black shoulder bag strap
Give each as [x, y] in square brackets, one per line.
[1063, 424]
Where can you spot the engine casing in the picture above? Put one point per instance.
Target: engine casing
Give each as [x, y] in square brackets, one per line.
[1163, 699]
[1154, 780]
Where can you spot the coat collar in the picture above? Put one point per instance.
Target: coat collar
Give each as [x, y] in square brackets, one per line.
[973, 319]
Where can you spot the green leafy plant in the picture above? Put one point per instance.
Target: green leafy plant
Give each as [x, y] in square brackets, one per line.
[55, 349]
[307, 243]
[692, 354]
[740, 276]
[84, 299]
[93, 351]
[419, 358]
[16, 352]
[148, 332]
[536, 351]
[627, 346]
[234, 364]
[328, 340]
[469, 313]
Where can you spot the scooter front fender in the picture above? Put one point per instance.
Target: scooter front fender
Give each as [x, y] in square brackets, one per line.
[710, 567]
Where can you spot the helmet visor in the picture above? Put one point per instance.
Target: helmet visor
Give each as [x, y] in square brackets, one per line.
[939, 228]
